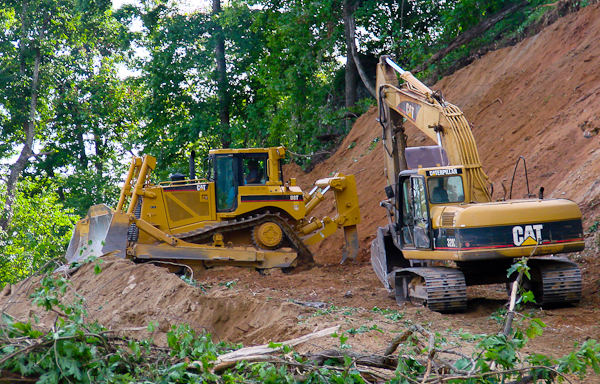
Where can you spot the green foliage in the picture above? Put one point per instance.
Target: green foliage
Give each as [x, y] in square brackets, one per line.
[578, 362]
[40, 231]
[389, 313]
[364, 329]
[521, 267]
[190, 281]
[228, 284]
[342, 338]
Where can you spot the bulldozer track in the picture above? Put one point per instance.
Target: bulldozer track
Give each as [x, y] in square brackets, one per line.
[305, 257]
[445, 288]
[560, 281]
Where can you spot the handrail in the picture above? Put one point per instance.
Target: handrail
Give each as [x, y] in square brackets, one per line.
[180, 182]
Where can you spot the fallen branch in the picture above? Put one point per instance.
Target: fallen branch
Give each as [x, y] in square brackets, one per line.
[386, 362]
[253, 352]
[312, 155]
[397, 341]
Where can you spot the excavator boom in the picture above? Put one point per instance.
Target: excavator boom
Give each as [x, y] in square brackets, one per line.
[441, 121]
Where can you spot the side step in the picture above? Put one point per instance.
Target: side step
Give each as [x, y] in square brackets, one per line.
[442, 289]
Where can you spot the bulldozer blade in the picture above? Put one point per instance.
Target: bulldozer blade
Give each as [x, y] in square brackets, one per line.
[101, 231]
[351, 248]
[379, 257]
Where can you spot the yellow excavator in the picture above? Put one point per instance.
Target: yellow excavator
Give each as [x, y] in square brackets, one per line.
[445, 232]
[241, 214]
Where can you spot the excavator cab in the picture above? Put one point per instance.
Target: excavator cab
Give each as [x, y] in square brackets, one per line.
[417, 192]
[447, 189]
[413, 203]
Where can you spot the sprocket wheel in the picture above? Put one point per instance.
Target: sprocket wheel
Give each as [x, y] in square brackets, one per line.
[268, 235]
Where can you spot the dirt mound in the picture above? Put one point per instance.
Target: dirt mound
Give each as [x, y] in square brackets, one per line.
[539, 99]
[127, 295]
[359, 154]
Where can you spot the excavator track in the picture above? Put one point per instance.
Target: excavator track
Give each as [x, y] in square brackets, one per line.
[305, 257]
[556, 281]
[442, 289]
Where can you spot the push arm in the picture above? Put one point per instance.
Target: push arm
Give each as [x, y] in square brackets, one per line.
[348, 214]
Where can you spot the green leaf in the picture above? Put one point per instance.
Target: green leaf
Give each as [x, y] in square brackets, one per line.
[535, 328]
[347, 360]
[528, 297]
[274, 345]
[512, 269]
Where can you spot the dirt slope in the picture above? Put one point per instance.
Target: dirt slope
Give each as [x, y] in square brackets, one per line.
[539, 99]
[536, 99]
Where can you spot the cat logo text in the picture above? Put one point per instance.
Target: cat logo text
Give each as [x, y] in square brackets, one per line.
[527, 234]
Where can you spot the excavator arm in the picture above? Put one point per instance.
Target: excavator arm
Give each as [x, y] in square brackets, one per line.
[443, 122]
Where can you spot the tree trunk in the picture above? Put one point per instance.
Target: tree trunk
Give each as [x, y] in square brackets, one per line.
[28, 125]
[83, 160]
[222, 84]
[350, 78]
[363, 75]
[100, 152]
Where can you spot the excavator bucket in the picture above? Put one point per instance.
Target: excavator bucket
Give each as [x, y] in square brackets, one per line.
[101, 231]
[378, 256]
[351, 248]
[386, 257]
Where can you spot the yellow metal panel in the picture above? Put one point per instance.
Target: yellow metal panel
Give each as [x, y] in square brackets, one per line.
[191, 206]
[211, 256]
[516, 212]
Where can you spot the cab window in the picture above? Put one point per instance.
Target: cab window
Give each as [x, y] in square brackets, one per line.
[254, 170]
[446, 189]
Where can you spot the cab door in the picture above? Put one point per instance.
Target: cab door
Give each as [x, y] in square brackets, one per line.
[420, 210]
[226, 181]
[405, 218]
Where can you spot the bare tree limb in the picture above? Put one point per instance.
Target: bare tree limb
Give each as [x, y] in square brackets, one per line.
[359, 67]
[469, 35]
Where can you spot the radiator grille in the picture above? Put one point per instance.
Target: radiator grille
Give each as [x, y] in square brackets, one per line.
[448, 219]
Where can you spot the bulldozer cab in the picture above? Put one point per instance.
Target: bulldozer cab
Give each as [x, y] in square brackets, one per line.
[417, 192]
[232, 169]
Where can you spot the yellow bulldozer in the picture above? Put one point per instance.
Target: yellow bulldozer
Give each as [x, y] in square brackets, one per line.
[241, 214]
[445, 231]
